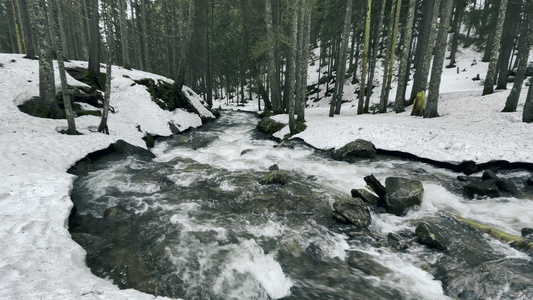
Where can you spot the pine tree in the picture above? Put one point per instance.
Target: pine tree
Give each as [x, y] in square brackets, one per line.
[107, 97]
[404, 60]
[360, 106]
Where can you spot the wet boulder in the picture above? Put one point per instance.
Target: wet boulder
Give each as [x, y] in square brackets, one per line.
[354, 210]
[269, 126]
[530, 180]
[366, 196]
[274, 177]
[402, 194]
[527, 233]
[485, 188]
[358, 148]
[507, 186]
[367, 264]
[430, 236]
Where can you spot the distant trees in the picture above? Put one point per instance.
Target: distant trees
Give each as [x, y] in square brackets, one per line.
[234, 49]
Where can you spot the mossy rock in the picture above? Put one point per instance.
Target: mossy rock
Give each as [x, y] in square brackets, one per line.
[149, 140]
[275, 177]
[269, 126]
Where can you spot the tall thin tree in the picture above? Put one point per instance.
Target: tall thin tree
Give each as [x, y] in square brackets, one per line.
[360, 106]
[103, 127]
[403, 72]
[488, 85]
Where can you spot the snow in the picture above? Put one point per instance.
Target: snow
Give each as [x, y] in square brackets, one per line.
[38, 258]
[471, 127]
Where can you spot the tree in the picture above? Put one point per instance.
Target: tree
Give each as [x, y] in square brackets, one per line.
[404, 60]
[47, 89]
[488, 85]
[271, 69]
[57, 19]
[389, 61]
[291, 66]
[26, 28]
[109, 41]
[336, 101]
[524, 41]
[376, 30]
[144, 28]
[124, 35]
[438, 60]
[179, 81]
[360, 107]
[509, 33]
[94, 33]
[527, 114]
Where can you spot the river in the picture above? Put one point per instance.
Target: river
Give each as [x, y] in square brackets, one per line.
[195, 222]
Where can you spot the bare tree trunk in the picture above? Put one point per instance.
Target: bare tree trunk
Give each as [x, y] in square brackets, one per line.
[94, 32]
[488, 86]
[47, 87]
[109, 40]
[527, 114]
[404, 60]
[360, 108]
[144, 28]
[336, 101]
[57, 18]
[291, 67]
[274, 93]
[186, 45]
[526, 37]
[438, 61]
[390, 59]
[377, 31]
[26, 28]
[18, 28]
[303, 65]
[124, 35]
[509, 35]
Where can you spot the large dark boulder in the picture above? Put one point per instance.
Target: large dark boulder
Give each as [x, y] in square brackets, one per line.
[485, 188]
[123, 147]
[430, 236]
[402, 194]
[354, 210]
[274, 177]
[358, 148]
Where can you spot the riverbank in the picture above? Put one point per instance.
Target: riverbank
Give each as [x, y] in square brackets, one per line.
[38, 258]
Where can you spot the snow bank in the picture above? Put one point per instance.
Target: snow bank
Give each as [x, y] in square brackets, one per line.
[38, 258]
[471, 127]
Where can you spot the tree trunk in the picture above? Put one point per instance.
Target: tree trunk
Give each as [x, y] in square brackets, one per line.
[390, 59]
[524, 41]
[403, 75]
[377, 30]
[47, 88]
[57, 18]
[527, 114]
[456, 28]
[509, 34]
[488, 86]
[336, 101]
[276, 105]
[18, 28]
[124, 35]
[291, 67]
[145, 45]
[28, 35]
[360, 108]
[303, 65]
[179, 81]
[109, 40]
[420, 81]
[94, 32]
[438, 61]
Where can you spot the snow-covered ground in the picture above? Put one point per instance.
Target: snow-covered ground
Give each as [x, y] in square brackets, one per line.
[471, 127]
[39, 260]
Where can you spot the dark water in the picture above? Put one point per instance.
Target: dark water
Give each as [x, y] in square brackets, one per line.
[195, 222]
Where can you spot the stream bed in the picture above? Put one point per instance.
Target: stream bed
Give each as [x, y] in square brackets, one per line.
[195, 223]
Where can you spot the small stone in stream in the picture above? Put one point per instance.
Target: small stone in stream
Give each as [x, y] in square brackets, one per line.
[273, 167]
[274, 177]
[402, 194]
[527, 233]
[488, 174]
[530, 180]
[468, 167]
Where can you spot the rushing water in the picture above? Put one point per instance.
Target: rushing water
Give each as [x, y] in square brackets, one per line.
[195, 222]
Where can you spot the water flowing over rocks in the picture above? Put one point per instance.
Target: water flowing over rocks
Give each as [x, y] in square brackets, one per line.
[353, 210]
[471, 267]
[489, 186]
[402, 194]
[275, 177]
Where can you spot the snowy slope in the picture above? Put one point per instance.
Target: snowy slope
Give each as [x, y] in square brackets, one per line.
[471, 127]
[38, 259]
